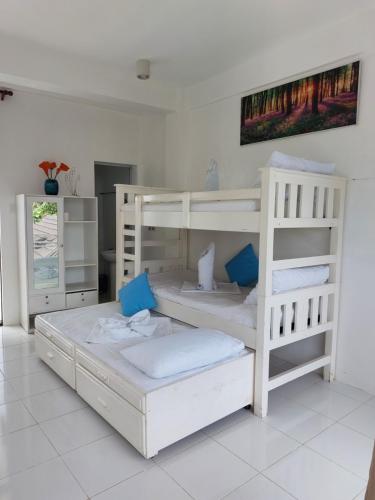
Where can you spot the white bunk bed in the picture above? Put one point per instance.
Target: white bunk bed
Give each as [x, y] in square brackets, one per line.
[286, 199]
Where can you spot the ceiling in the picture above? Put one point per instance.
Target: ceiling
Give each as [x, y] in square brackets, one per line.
[187, 40]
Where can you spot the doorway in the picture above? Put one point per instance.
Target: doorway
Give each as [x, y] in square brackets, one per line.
[106, 176]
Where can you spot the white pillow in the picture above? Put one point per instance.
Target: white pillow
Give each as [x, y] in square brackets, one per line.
[281, 160]
[206, 269]
[183, 351]
[300, 277]
[252, 298]
[292, 279]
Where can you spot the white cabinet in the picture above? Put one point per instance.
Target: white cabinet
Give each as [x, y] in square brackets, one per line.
[45, 303]
[79, 299]
[58, 253]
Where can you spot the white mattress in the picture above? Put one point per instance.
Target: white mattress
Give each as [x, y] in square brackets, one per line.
[76, 324]
[201, 206]
[226, 306]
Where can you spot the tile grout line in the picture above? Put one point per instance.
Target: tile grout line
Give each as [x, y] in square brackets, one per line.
[112, 433]
[323, 414]
[278, 485]
[60, 415]
[28, 468]
[273, 463]
[175, 481]
[335, 463]
[240, 486]
[116, 484]
[188, 447]
[265, 423]
[36, 394]
[355, 430]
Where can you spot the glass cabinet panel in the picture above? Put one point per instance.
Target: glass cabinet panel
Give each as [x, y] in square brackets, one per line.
[45, 245]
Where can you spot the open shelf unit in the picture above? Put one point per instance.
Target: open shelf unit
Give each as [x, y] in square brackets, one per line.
[79, 263]
[84, 286]
[80, 244]
[80, 210]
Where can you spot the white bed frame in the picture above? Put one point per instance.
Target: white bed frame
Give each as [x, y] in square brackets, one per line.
[151, 420]
[287, 199]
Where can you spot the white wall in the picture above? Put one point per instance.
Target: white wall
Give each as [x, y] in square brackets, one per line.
[209, 128]
[34, 128]
[29, 65]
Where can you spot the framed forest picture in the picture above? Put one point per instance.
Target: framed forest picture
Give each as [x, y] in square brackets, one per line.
[318, 102]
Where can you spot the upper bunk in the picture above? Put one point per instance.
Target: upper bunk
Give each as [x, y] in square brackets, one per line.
[286, 199]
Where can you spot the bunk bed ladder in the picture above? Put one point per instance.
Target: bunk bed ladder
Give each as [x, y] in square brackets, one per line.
[289, 317]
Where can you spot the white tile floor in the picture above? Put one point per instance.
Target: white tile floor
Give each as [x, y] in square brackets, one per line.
[315, 444]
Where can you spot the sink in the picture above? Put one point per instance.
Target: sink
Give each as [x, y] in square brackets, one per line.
[109, 255]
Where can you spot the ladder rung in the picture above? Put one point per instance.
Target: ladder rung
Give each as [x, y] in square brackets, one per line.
[129, 256]
[129, 232]
[153, 243]
[304, 262]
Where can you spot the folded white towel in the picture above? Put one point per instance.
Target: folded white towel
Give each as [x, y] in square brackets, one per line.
[206, 269]
[118, 327]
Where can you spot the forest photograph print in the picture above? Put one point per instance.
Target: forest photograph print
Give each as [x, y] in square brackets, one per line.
[318, 102]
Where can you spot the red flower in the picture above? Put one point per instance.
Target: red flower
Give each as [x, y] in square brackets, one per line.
[49, 166]
[45, 166]
[62, 168]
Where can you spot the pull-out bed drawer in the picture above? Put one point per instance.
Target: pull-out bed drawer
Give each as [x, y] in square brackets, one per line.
[150, 413]
[55, 358]
[126, 419]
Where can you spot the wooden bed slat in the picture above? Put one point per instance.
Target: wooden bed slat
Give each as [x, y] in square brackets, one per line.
[292, 201]
[301, 370]
[280, 205]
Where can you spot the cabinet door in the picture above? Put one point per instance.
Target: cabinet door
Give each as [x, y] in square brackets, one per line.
[44, 215]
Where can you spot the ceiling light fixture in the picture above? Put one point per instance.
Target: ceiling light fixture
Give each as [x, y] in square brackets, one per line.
[143, 69]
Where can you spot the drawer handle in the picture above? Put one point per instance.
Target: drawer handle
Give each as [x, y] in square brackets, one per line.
[50, 355]
[102, 402]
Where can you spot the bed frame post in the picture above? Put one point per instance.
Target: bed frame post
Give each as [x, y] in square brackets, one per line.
[184, 242]
[336, 237]
[138, 235]
[120, 194]
[266, 240]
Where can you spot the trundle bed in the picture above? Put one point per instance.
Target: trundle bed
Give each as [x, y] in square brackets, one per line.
[150, 413]
[286, 199]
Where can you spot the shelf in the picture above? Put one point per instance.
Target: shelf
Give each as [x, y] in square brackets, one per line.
[81, 287]
[80, 222]
[79, 263]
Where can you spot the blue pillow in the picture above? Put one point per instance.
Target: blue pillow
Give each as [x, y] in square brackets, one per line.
[243, 267]
[136, 296]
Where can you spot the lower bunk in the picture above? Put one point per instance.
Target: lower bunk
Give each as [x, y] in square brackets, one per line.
[150, 413]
